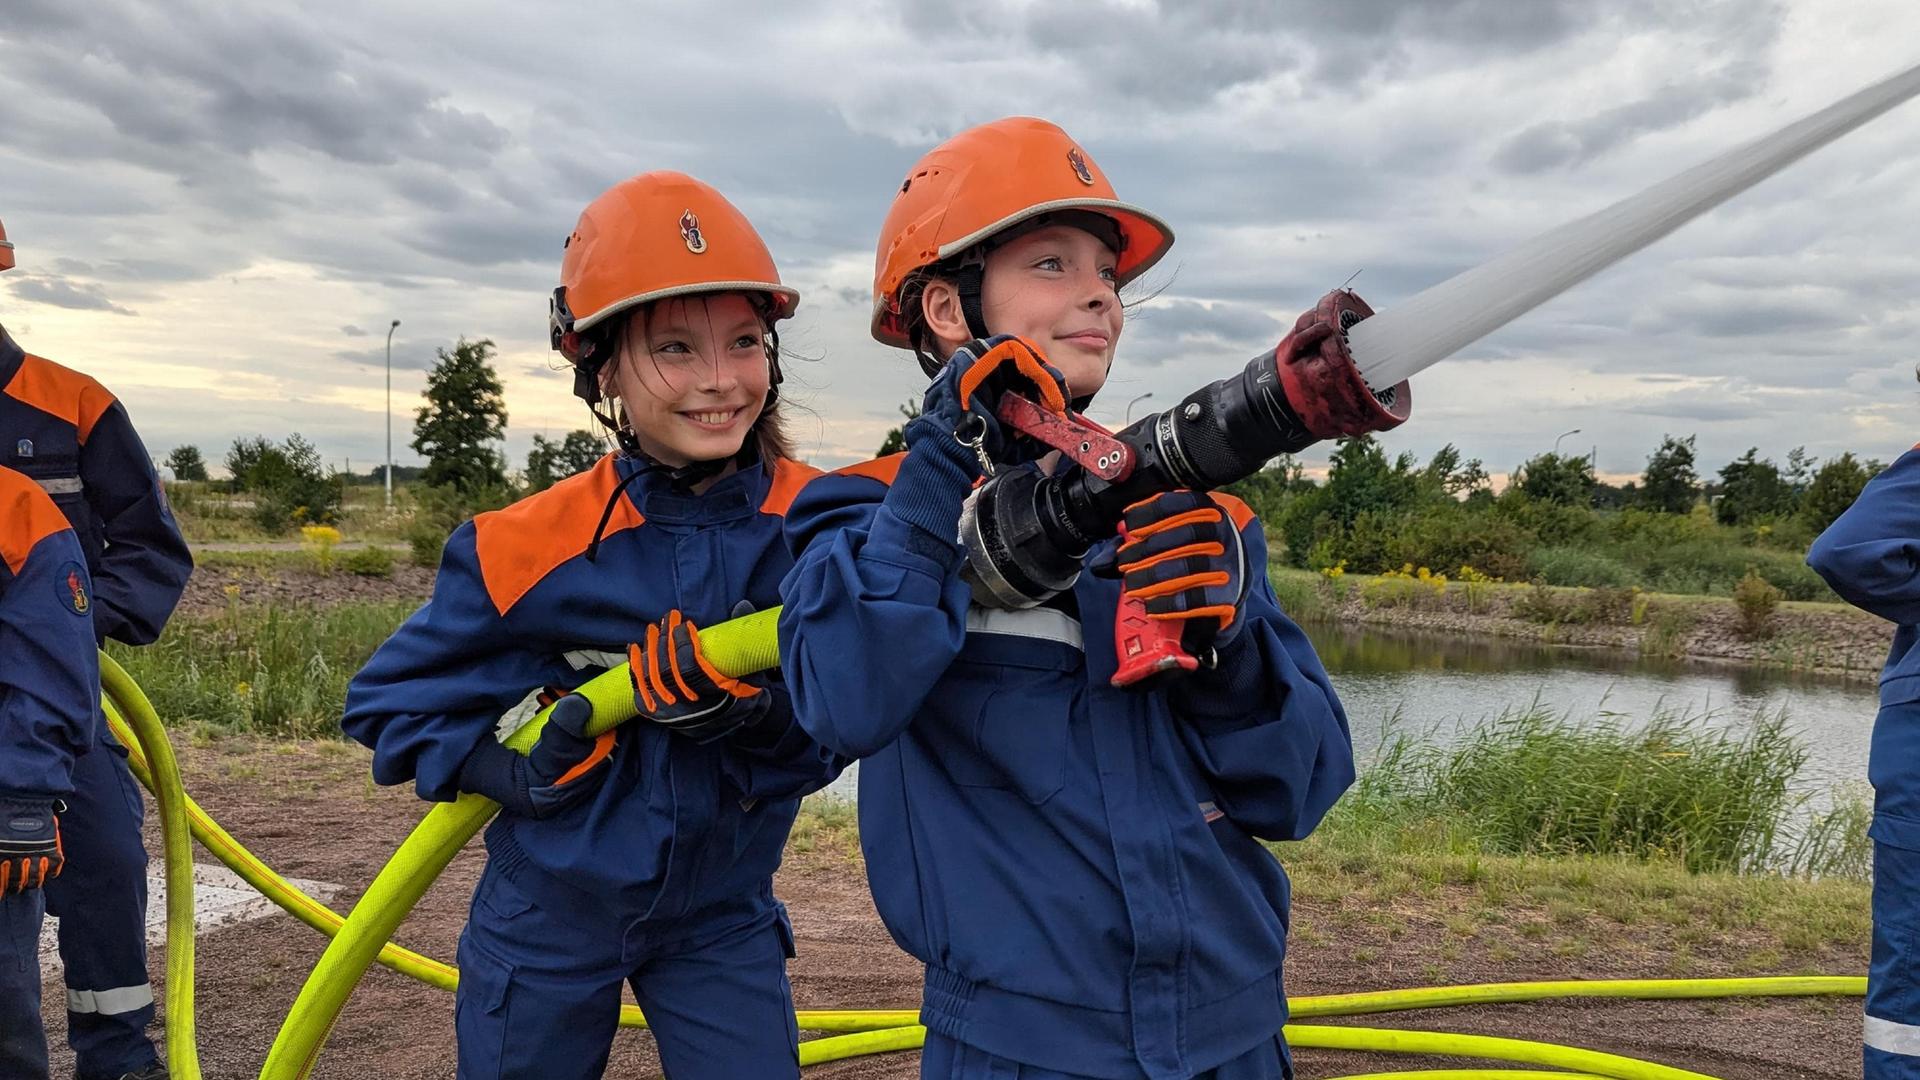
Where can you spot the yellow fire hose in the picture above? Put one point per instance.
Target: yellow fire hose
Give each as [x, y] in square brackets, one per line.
[740, 647]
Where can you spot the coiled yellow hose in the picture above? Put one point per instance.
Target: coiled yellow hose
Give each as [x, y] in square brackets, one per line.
[740, 647]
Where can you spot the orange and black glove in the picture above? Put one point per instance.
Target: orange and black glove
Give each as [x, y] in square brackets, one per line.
[1181, 556]
[677, 687]
[30, 852]
[961, 401]
[565, 765]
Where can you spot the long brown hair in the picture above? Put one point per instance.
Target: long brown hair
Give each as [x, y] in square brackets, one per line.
[771, 436]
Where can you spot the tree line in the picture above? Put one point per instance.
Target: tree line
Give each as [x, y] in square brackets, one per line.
[458, 430]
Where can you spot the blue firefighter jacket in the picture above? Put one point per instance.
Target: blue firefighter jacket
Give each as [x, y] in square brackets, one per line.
[1870, 555]
[67, 433]
[1079, 867]
[49, 669]
[518, 605]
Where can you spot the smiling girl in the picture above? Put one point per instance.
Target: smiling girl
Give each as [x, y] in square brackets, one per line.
[643, 857]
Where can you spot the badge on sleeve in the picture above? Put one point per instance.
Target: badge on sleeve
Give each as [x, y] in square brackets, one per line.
[72, 587]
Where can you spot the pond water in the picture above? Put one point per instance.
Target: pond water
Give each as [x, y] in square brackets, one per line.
[1439, 685]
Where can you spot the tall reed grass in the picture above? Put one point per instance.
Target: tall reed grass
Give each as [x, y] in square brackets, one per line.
[1680, 786]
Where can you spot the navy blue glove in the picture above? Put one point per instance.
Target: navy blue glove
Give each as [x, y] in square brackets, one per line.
[959, 404]
[565, 766]
[1181, 556]
[30, 852]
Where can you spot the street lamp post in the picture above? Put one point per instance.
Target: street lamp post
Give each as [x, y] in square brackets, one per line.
[390, 329]
[1564, 434]
[1134, 402]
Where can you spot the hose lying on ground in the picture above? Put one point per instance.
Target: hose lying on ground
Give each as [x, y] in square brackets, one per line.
[740, 647]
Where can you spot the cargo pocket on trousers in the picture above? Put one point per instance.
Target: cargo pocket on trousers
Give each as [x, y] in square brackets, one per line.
[481, 1015]
[783, 927]
[482, 1004]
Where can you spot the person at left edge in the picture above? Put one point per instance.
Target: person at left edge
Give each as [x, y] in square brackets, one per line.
[644, 857]
[66, 432]
[49, 693]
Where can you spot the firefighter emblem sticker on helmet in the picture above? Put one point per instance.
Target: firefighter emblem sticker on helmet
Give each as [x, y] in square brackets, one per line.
[1079, 162]
[690, 232]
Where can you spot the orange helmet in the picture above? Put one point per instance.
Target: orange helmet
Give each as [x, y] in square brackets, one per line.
[6, 250]
[985, 180]
[650, 237]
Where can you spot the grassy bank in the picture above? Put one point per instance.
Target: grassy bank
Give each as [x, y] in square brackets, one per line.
[1758, 629]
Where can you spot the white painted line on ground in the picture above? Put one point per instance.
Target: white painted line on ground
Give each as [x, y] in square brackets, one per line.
[220, 898]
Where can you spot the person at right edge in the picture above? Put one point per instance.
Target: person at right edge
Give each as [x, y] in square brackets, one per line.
[1871, 557]
[1079, 867]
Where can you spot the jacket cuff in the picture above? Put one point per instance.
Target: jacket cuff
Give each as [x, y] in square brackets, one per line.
[498, 773]
[1234, 687]
[933, 482]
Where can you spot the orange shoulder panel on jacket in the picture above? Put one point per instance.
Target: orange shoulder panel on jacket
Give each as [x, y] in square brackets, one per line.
[788, 478]
[522, 544]
[27, 516]
[1240, 512]
[61, 392]
[881, 469]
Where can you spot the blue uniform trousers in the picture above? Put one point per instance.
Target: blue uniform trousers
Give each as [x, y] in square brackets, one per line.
[1893, 981]
[1892, 1034]
[945, 1059]
[539, 995]
[101, 901]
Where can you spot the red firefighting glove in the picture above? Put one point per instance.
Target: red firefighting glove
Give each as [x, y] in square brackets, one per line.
[677, 687]
[30, 852]
[565, 765]
[1181, 555]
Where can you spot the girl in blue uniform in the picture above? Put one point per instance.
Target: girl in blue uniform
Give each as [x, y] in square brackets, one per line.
[643, 857]
[1871, 557]
[1078, 866]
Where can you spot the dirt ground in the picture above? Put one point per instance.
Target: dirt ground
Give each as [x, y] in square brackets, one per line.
[311, 812]
[207, 590]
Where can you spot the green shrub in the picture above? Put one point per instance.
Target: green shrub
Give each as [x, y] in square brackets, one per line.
[440, 510]
[373, 561]
[1756, 600]
[1537, 602]
[288, 483]
[1451, 535]
[1579, 566]
[1606, 604]
[1549, 523]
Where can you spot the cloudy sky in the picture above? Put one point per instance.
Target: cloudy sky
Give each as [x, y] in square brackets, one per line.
[219, 207]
